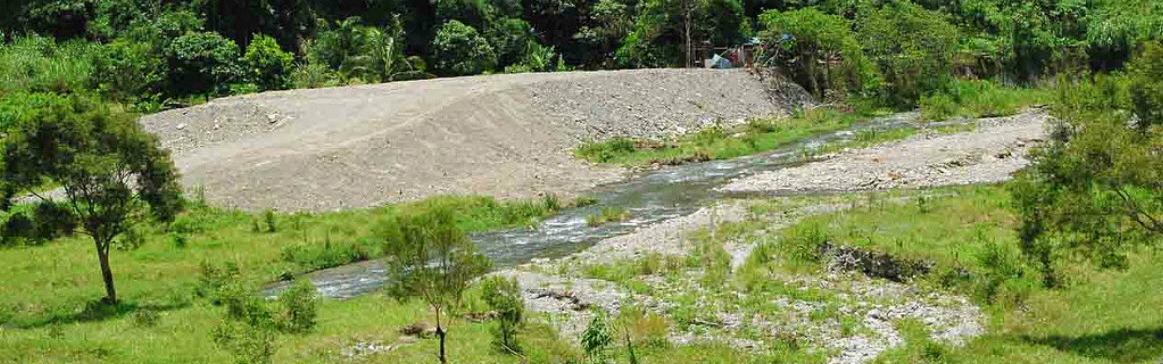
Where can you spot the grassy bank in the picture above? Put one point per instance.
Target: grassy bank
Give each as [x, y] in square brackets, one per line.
[54, 281]
[1102, 317]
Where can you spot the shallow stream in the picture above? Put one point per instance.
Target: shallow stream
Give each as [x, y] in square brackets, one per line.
[651, 196]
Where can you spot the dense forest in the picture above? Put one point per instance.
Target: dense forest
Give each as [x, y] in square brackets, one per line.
[154, 54]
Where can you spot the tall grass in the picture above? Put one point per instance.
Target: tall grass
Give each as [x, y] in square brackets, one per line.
[980, 98]
[36, 63]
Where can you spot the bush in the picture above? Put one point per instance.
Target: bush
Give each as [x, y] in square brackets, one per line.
[459, 50]
[202, 62]
[504, 296]
[913, 48]
[128, 70]
[609, 214]
[1147, 85]
[313, 257]
[300, 307]
[597, 337]
[312, 75]
[267, 63]
[248, 344]
[510, 38]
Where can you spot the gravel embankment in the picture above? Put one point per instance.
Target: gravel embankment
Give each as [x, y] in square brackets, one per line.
[500, 135]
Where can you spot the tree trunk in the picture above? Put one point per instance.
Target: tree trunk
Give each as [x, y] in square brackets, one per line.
[810, 65]
[440, 333]
[106, 273]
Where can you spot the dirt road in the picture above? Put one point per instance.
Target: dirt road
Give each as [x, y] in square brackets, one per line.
[501, 135]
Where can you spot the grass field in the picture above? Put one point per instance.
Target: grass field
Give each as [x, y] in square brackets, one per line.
[1102, 317]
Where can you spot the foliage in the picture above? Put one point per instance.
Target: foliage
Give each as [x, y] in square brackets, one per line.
[597, 336]
[266, 63]
[808, 38]
[459, 50]
[300, 307]
[504, 296]
[1146, 86]
[979, 98]
[912, 47]
[35, 63]
[129, 71]
[430, 257]
[1094, 191]
[609, 214]
[112, 171]
[203, 62]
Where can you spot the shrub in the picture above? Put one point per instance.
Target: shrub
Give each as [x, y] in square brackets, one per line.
[504, 296]
[1147, 85]
[811, 38]
[459, 50]
[300, 307]
[597, 337]
[213, 278]
[129, 71]
[510, 38]
[312, 75]
[248, 344]
[313, 256]
[268, 64]
[202, 62]
[913, 48]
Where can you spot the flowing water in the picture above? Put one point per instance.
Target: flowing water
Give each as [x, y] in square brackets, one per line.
[650, 196]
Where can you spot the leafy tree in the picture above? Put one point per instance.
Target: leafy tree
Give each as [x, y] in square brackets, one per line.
[510, 39]
[913, 48]
[288, 20]
[676, 27]
[459, 50]
[812, 44]
[429, 257]
[267, 63]
[1095, 191]
[202, 62]
[610, 21]
[113, 173]
[1147, 86]
[129, 70]
[504, 296]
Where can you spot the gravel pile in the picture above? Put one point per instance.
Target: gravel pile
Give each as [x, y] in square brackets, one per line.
[499, 135]
[990, 154]
[654, 102]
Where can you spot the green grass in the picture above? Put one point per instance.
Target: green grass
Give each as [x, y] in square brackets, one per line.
[35, 63]
[54, 281]
[609, 214]
[1103, 317]
[719, 142]
[980, 98]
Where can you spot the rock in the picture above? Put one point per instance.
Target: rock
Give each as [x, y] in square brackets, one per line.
[182, 126]
[419, 329]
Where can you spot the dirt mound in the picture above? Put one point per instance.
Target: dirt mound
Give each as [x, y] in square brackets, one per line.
[502, 135]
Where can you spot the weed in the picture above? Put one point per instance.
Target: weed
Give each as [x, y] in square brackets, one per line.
[607, 215]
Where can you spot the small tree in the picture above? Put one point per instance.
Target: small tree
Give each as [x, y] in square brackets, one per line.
[1095, 192]
[504, 296]
[809, 41]
[459, 49]
[429, 257]
[267, 63]
[913, 48]
[112, 172]
[597, 337]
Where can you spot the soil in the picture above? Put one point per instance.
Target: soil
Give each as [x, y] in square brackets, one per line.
[498, 135]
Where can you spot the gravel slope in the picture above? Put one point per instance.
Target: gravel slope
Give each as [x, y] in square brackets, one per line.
[501, 135]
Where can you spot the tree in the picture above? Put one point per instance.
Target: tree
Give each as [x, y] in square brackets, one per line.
[202, 62]
[112, 172]
[504, 296]
[810, 42]
[459, 50]
[267, 63]
[429, 257]
[1095, 191]
[913, 48]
